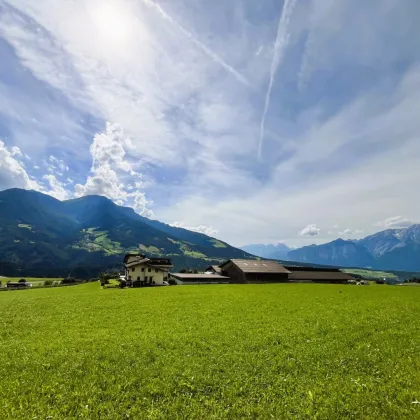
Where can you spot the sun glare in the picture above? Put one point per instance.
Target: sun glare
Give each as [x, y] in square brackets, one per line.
[112, 23]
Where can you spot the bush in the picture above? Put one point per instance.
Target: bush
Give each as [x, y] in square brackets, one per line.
[48, 283]
[22, 281]
[172, 282]
[69, 280]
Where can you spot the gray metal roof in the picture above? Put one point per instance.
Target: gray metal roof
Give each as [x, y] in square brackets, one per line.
[199, 276]
[259, 266]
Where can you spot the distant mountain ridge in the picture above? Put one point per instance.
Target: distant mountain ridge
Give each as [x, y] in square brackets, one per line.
[40, 235]
[392, 249]
[279, 251]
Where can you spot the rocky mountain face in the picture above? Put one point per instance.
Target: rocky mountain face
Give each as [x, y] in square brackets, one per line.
[392, 249]
[338, 253]
[40, 235]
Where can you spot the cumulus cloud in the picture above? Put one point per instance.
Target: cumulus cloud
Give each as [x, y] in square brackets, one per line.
[12, 170]
[56, 188]
[310, 230]
[193, 125]
[396, 222]
[207, 230]
[110, 170]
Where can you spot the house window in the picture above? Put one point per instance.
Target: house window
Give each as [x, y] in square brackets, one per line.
[133, 269]
[149, 270]
[138, 278]
[142, 269]
[156, 270]
[145, 278]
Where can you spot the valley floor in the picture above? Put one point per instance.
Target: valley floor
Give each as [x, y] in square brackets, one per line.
[211, 352]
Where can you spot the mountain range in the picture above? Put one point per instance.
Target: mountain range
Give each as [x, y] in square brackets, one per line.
[40, 235]
[275, 252]
[391, 249]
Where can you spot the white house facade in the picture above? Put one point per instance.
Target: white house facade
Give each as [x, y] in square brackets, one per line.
[146, 271]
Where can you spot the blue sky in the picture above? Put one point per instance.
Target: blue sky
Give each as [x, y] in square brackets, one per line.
[294, 121]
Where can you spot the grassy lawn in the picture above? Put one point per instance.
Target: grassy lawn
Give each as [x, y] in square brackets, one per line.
[211, 352]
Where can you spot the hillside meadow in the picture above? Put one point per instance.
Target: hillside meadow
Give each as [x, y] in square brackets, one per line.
[210, 352]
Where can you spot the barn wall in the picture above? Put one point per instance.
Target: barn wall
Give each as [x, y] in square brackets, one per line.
[235, 274]
[267, 277]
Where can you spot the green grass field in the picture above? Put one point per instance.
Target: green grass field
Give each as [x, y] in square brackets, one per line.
[277, 351]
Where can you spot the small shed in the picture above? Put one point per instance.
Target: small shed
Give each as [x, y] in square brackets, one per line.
[187, 278]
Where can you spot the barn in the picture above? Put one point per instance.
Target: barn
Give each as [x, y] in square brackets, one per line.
[254, 271]
[317, 275]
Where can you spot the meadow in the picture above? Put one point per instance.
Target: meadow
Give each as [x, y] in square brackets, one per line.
[211, 352]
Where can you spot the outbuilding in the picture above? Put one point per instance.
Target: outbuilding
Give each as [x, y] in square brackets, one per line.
[254, 271]
[188, 278]
[318, 275]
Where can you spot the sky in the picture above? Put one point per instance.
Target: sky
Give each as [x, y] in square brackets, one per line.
[294, 121]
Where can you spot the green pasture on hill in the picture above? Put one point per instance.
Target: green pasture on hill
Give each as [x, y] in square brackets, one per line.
[298, 351]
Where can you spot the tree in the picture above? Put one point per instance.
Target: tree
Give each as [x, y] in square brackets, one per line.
[22, 281]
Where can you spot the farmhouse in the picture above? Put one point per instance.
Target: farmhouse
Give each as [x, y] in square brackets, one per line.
[146, 271]
[254, 271]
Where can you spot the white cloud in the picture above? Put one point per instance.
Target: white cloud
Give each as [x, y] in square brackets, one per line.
[12, 171]
[207, 230]
[396, 222]
[57, 164]
[347, 232]
[15, 151]
[310, 230]
[110, 171]
[56, 189]
[343, 148]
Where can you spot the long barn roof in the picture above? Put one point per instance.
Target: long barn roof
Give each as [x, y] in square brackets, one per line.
[259, 266]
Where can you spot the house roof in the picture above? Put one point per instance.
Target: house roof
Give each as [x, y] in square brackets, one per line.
[189, 276]
[258, 266]
[161, 261]
[141, 259]
[137, 262]
[319, 275]
[214, 268]
[127, 256]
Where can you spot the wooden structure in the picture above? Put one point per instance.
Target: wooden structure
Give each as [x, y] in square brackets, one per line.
[254, 271]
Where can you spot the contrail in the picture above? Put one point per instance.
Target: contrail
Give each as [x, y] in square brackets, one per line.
[202, 47]
[279, 47]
